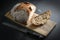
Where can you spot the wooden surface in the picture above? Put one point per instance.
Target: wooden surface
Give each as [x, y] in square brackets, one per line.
[44, 29]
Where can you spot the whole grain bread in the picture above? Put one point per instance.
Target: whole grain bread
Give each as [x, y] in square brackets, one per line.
[41, 18]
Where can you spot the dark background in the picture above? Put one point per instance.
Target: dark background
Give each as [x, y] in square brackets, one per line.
[8, 33]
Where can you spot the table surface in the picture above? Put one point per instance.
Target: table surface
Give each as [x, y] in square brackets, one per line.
[42, 5]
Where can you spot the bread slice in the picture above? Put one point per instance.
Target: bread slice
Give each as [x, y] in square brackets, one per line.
[41, 18]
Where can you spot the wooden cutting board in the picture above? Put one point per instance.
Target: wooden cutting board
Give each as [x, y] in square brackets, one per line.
[44, 29]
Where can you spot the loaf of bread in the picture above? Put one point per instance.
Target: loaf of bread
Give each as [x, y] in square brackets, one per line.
[41, 18]
[23, 12]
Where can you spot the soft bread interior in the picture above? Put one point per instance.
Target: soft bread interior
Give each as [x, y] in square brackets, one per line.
[41, 18]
